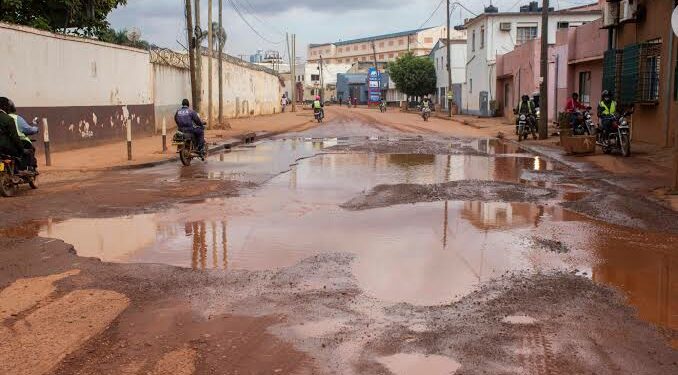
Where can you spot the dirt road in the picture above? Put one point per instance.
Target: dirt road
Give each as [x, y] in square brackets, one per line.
[371, 244]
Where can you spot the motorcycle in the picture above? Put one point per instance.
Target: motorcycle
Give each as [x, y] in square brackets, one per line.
[319, 115]
[186, 147]
[584, 123]
[619, 136]
[525, 124]
[11, 177]
[382, 107]
[425, 113]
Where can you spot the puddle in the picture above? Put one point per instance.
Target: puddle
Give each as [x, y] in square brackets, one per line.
[424, 254]
[519, 319]
[413, 364]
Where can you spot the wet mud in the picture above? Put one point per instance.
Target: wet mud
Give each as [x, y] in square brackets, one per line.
[347, 255]
[388, 195]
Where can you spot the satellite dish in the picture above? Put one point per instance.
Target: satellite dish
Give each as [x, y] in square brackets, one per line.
[134, 34]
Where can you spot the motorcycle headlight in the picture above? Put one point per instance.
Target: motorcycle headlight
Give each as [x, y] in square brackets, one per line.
[623, 122]
[522, 118]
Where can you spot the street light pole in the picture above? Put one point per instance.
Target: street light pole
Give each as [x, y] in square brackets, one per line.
[449, 64]
[543, 95]
[191, 51]
[210, 47]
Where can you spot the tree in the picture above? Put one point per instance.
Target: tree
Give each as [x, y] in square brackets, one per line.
[413, 75]
[83, 17]
[121, 37]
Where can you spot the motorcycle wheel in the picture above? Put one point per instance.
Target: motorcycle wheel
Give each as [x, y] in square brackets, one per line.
[520, 137]
[33, 182]
[7, 187]
[185, 156]
[625, 145]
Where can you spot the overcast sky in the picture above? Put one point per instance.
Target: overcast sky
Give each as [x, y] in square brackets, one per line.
[314, 21]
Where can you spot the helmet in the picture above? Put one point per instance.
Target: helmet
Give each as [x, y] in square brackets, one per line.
[525, 97]
[317, 97]
[605, 93]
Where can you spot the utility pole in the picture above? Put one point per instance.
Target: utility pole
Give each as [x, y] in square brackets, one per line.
[449, 64]
[322, 84]
[197, 103]
[210, 47]
[222, 41]
[191, 50]
[543, 89]
[294, 72]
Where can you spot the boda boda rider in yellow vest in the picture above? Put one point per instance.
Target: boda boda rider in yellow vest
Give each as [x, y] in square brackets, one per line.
[607, 109]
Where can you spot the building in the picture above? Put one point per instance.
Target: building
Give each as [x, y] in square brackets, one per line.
[354, 85]
[386, 47]
[493, 33]
[639, 66]
[439, 56]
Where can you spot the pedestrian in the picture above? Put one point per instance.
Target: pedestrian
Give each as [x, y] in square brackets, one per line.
[283, 102]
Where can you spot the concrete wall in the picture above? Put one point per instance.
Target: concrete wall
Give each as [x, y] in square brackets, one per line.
[171, 85]
[249, 90]
[88, 91]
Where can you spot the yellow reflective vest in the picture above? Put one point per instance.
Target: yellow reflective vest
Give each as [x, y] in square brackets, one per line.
[608, 111]
[18, 130]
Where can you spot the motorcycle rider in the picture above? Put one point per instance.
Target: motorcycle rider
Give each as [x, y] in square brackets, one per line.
[318, 106]
[188, 121]
[572, 108]
[527, 107]
[607, 109]
[24, 130]
[10, 143]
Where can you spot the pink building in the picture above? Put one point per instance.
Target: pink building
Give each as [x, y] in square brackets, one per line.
[575, 65]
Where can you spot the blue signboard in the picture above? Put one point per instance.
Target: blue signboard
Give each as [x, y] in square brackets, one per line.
[374, 85]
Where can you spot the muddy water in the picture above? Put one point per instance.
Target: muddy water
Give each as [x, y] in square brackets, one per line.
[428, 253]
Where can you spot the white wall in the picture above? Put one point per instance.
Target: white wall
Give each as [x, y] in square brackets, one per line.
[171, 86]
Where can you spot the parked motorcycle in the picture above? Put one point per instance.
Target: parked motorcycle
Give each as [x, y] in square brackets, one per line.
[319, 116]
[186, 147]
[11, 178]
[619, 136]
[525, 124]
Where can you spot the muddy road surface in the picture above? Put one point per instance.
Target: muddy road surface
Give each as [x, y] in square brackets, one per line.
[359, 246]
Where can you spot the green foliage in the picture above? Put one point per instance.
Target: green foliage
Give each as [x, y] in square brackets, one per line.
[83, 17]
[413, 75]
[120, 37]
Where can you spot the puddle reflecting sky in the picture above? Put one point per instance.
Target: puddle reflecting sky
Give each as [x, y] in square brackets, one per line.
[428, 253]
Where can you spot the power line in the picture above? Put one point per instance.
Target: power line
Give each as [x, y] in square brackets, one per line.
[432, 14]
[249, 9]
[242, 17]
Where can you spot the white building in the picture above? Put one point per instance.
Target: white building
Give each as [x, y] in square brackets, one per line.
[439, 56]
[493, 33]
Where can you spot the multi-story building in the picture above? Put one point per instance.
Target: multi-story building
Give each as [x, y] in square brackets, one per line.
[494, 32]
[439, 56]
[640, 65]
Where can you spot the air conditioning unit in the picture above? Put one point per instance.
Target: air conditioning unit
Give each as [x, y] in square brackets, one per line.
[610, 14]
[505, 26]
[627, 10]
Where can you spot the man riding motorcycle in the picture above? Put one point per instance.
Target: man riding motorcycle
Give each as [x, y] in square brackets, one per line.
[189, 122]
[10, 142]
[572, 108]
[607, 109]
[527, 107]
[318, 106]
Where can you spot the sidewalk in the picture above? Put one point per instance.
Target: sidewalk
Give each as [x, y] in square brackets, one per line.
[149, 149]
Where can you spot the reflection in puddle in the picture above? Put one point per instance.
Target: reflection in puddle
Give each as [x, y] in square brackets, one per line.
[411, 363]
[427, 253]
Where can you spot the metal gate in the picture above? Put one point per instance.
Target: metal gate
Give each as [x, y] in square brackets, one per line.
[484, 104]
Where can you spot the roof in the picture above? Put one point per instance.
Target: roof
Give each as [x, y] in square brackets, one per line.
[582, 9]
[371, 38]
[444, 41]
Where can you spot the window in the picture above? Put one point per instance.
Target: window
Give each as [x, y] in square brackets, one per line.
[381, 56]
[525, 33]
[401, 42]
[390, 43]
[563, 25]
[650, 67]
[355, 48]
[482, 37]
[473, 41]
[364, 46]
[428, 40]
[381, 44]
[390, 55]
[339, 49]
[585, 87]
[470, 85]
[315, 77]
